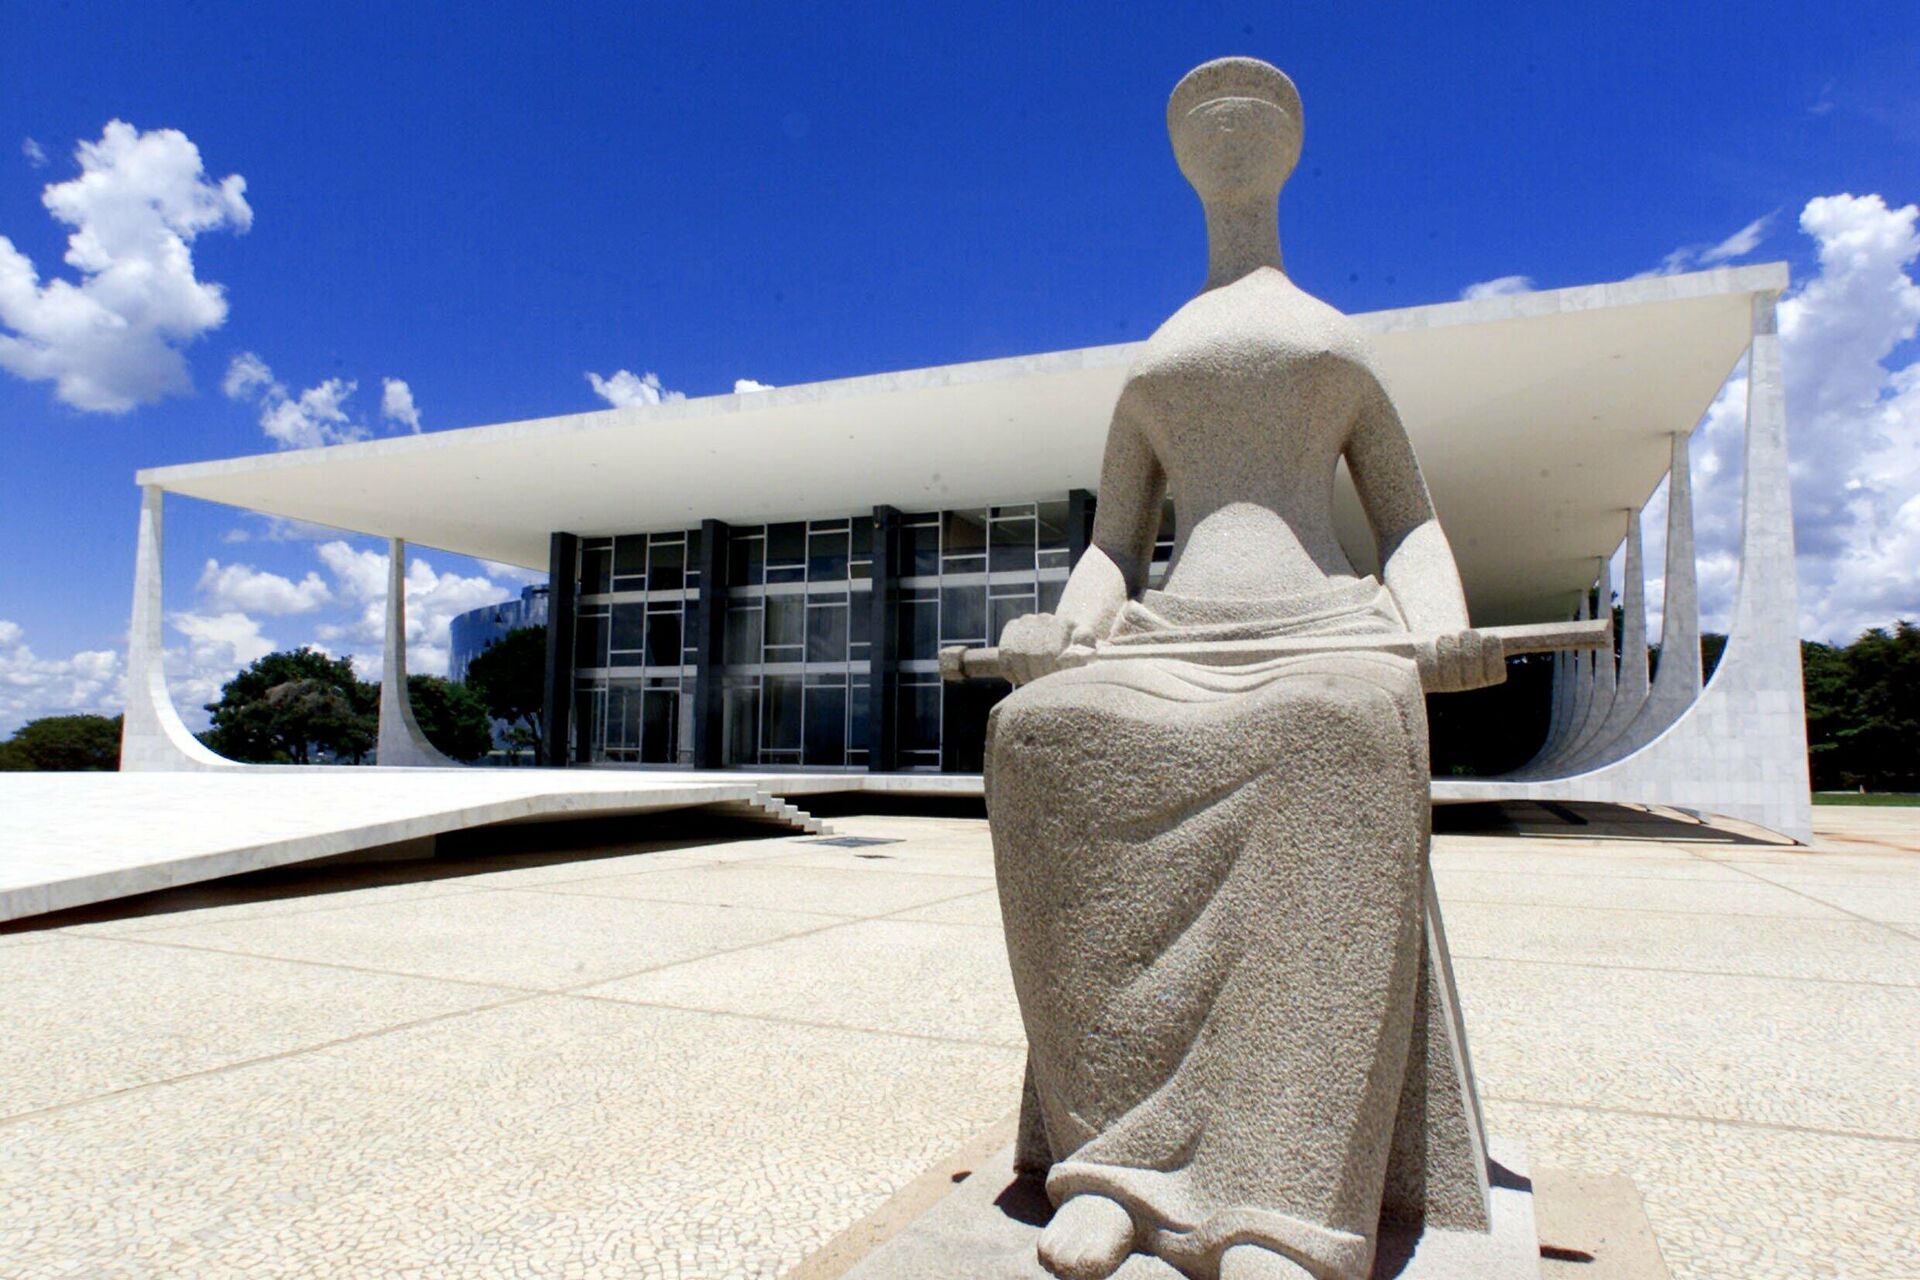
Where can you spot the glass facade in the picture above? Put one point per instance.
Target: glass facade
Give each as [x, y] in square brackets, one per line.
[794, 660]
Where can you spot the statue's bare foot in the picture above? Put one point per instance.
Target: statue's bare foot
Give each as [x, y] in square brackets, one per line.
[1088, 1239]
[1251, 1262]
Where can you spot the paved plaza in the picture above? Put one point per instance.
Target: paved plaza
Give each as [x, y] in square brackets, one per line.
[714, 1053]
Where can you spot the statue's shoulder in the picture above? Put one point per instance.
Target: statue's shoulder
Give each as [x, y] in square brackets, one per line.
[1259, 316]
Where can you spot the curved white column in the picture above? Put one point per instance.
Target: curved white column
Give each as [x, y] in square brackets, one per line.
[1630, 692]
[1600, 704]
[401, 741]
[153, 738]
[1741, 748]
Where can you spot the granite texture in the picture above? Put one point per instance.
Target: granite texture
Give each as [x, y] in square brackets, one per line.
[1244, 1051]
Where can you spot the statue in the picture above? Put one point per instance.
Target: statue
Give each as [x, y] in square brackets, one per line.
[1214, 875]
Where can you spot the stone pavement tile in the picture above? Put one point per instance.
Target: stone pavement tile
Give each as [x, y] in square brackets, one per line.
[952, 859]
[1891, 903]
[1520, 860]
[87, 1016]
[1733, 1202]
[982, 908]
[1838, 950]
[779, 885]
[586, 869]
[511, 937]
[1733, 896]
[885, 975]
[260, 907]
[1769, 1050]
[555, 1136]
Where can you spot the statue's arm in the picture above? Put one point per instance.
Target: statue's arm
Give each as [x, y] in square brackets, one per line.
[1126, 524]
[1416, 561]
[1114, 567]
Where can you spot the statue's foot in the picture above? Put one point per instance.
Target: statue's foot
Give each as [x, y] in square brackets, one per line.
[1251, 1262]
[1088, 1239]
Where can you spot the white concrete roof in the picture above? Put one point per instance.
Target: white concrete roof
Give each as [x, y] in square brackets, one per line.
[1539, 419]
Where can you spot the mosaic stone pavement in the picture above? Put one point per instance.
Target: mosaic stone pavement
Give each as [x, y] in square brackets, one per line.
[709, 1055]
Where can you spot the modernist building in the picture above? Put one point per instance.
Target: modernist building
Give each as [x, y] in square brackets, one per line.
[475, 631]
[763, 581]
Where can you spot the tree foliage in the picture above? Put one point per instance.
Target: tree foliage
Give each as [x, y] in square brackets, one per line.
[452, 716]
[63, 743]
[1863, 710]
[295, 707]
[511, 676]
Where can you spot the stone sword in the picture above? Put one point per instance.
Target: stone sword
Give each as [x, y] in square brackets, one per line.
[961, 662]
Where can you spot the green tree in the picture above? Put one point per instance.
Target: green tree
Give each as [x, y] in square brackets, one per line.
[511, 677]
[295, 707]
[452, 716]
[63, 743]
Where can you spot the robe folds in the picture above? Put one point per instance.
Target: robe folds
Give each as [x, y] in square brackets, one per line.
[1212, 880]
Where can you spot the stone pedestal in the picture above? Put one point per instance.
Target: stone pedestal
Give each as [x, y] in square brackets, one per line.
[987, 1228]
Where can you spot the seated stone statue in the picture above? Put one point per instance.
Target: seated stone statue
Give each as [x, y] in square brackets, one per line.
[1213, 876]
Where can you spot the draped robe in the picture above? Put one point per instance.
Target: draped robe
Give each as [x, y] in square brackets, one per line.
[1212, 880]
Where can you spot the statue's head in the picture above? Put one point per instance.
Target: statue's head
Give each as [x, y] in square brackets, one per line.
[1236, 127]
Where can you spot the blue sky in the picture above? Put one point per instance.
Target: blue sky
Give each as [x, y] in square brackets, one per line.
[488, 204]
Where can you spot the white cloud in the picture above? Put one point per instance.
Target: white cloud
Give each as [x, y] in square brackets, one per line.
[1740, 243]
[35, 153]
[1853, 427]
[1691, 257]
[32, 686]
[218, 646]
[624, 389]
[433, 600]
[1498, 287]
[396, 404]
[113, 341]
[746, 386]
[245, 588]
[316, 417]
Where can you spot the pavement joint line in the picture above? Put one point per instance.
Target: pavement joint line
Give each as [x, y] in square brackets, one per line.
[789, 1021]
[68, 930]
[553, 892]
[1734, 1122]
[367, 970]
[1879, 924]
[1460, 954]
[520, 997]
[1448, 899]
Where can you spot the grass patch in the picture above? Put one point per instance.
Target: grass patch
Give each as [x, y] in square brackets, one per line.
[1870, 798]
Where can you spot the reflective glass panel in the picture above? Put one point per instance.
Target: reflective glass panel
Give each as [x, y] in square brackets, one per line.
[827, 556]
[827, 631]
[920, 550]
[963, 614]
[743, 633]
[786, 622]
[629, 627]
[666, 565]
[782, 708]
[596, 570]
[630, 562]
[663, 639]
[746, 558]
[1012, 546]
[826, 733]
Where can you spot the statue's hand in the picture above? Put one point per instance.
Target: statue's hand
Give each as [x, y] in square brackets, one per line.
[1031, 646]
[1462, 660]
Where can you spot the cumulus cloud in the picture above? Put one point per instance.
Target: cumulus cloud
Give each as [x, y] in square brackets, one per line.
[1853, 427]
[1498, 287]
[247, 589]
[1691, 257]
[396, 404]
[1740, 243]
[624, 389]
[433, 601]
[32, 686]
[315, 417]
[746, 386]
[35, 153]
[113, 340]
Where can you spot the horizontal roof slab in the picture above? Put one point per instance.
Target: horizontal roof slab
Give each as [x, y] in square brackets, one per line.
[1538, 418]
